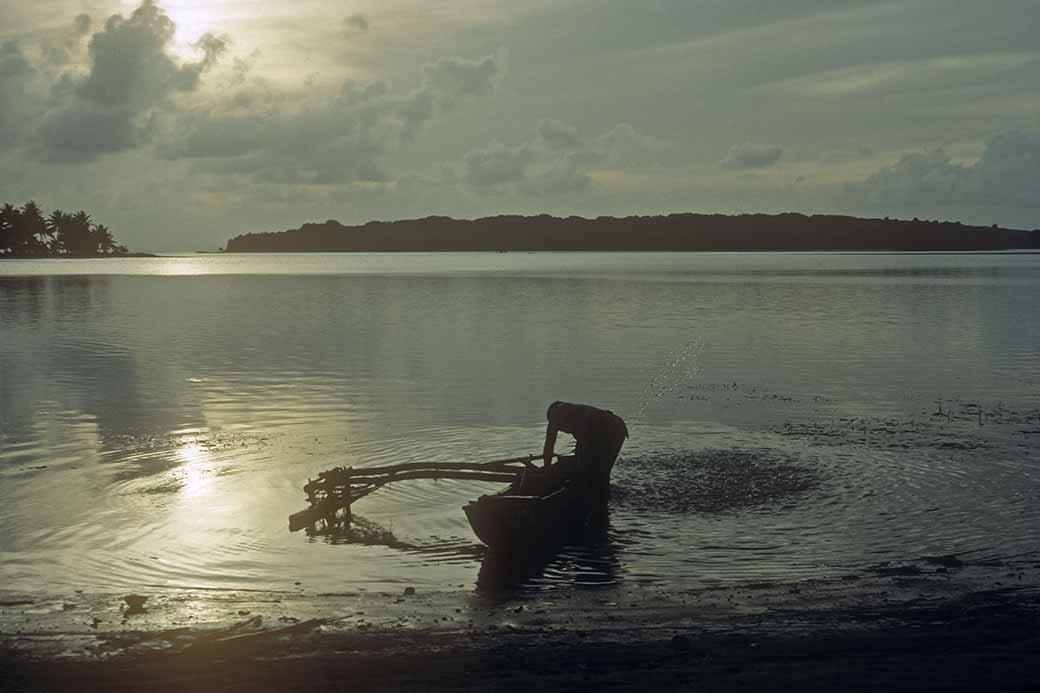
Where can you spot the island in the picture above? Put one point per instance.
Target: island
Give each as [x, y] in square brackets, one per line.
[25, 232]
[673, 232]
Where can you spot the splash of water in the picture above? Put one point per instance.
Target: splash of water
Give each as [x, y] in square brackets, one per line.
[683, 365]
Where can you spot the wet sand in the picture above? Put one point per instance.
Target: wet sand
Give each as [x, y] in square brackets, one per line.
[930, 624]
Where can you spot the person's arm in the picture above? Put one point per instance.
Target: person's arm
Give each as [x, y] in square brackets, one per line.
[550, 445]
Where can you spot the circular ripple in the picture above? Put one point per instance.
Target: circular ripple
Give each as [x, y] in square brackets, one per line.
[710, 481]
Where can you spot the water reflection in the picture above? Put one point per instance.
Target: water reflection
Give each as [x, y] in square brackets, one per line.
[70, 360]
[585, 556]
[158, 430]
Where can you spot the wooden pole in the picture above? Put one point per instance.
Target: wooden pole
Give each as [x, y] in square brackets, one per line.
[446, 474]
[506, 464]
[367, 472]
[338, 488]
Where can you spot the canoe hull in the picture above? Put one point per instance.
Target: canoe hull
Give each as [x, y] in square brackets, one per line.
[515, 520]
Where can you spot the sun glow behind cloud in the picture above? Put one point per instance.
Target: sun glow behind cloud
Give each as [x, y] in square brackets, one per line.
[192, 17]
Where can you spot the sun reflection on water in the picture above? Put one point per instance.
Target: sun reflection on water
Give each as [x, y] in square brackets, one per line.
[180, 266]
[195, 474]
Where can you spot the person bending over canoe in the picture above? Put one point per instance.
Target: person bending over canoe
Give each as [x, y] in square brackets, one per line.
[599, 435]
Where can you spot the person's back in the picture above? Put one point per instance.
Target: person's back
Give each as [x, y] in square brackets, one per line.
[599, 434]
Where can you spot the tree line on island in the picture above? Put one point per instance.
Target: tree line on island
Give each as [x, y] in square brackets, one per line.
[673, 232]
[25, 232]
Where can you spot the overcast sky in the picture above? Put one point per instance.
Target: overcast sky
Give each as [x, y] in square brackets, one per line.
[181, 123]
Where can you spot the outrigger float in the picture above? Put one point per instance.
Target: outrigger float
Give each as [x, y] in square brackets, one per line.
[534, 505]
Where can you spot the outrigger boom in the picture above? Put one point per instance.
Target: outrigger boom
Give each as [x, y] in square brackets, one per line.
[332, 493]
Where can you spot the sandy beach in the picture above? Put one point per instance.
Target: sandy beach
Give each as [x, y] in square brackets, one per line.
[931, 624]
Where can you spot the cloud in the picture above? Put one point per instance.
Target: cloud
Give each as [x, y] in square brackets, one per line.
[560, 176]
[16, 75]
[87, 130]
[1006, 174]
[557, 160]
[624, 146]
[451, 80]
[527, 169]
[497, 164]
[14, 65]
[82, 24]
[846, 153]
[558, 135]
[131, 65]
[131, 78]
[356, 23]
[59, 47]
[752, 155]
[316, 139]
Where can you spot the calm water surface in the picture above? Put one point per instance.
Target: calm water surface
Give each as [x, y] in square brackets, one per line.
[792, 415]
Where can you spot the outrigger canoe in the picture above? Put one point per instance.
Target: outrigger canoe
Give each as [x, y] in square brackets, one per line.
[536, 506]
[534, 509]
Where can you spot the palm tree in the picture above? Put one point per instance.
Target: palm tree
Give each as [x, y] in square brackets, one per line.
[103, 237]
[7, 224]
[57, 223]
[26, 232]
[36, 231]
[22, 242]
[79, 236]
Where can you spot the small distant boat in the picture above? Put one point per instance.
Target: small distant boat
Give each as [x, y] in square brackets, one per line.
[534, 510]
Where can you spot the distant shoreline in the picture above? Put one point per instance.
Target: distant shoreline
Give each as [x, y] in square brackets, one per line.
[671, 233]
[80, 257]
[1011, 251]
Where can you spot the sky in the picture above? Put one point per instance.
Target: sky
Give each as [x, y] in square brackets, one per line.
[181, 123]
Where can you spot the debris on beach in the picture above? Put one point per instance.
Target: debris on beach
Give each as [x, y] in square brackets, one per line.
[135, 604]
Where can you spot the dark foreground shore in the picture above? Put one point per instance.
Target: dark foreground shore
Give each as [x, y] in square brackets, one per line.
[896, 630]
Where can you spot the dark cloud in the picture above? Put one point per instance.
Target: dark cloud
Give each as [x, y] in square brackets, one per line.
[326, 141]
[16, 73]
[60, 47]
[311, 140]
[82, 24]
[132, 76]
[752, 155]
[318, 140]
[356, 23]
[212, 47]
[82, 133]
[14, 66]
[131, 65]
[1007, 174]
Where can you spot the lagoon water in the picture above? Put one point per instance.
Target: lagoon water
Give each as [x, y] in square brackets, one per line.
[792, 414]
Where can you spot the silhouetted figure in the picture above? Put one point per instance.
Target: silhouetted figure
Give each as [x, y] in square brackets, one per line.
[599, 435]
